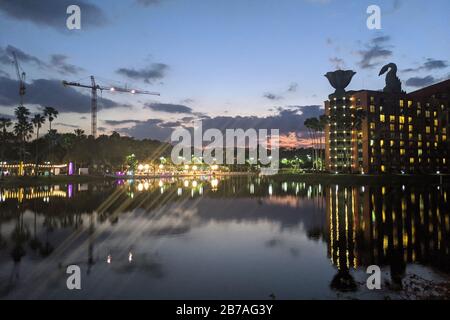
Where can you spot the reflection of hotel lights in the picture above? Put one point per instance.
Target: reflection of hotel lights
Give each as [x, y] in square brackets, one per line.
[194, 184]
[194, 168]
[146, 185]
[270, 189]
[161, 166]
[140, 187]
[214, 183]
[186, 183]
[108, 259]
[140, 167]
[130, 257]
[180, 191]
[186, 167]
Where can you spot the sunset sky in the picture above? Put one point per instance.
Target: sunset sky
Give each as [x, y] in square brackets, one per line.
[234, 63]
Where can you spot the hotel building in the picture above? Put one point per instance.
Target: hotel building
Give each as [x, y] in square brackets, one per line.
[381, 132]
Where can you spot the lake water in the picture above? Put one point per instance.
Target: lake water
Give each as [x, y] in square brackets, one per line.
[227, 238]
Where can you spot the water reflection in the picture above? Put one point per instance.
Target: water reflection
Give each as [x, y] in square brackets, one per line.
[153, 228]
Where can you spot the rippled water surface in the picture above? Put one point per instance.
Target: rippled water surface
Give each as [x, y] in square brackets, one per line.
[204, 238]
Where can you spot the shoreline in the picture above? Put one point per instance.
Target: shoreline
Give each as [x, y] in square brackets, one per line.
[323, 178]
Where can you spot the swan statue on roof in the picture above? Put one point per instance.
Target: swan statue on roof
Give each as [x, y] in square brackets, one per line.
[393, 83]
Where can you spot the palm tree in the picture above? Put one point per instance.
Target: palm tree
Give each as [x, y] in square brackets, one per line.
[313, 126]
[51, 114]
[323, 121]
[79, 133]
[23, 128]
[5, 123]
[308, 125]
[37, 121]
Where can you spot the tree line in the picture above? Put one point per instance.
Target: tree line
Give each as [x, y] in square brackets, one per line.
[22, 140]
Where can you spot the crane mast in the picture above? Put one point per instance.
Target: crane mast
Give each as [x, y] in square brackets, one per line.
[20, 78]
[94, 88]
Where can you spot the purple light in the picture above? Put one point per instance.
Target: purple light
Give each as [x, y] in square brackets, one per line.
[70, 190]
[70, 168]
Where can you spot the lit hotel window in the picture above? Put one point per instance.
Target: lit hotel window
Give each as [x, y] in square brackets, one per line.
[402, 119]
[419, 136]
[410, 103]
[372, 108]
[444, 138]
[392, 118]
[402, 152]
[409, 119]
[410, 127]
[381, 143]
[402, 103]
[382, 118]
[383, 168]
[392, 143]
[392, 127]
[372, 125]
[436, 122]
[371, 143]
[411, 160]
[427, 114]
[402, 143]
[428, 129]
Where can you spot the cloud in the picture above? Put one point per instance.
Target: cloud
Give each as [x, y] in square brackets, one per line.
[429, 64]
[272, 96]
[154, 72]
[66, 125]
[293, 87]
[289, 120]
[150, 129]
[6, 57]
[418, 82]
[376, 51]
[148, 3]
[6, 116]
[169, 108]
[59, 62]
[52, 13]
[120, 122]
[50, 93]
[187, 101]
[337, 63]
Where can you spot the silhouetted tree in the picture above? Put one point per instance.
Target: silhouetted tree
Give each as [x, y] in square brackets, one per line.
[37, 121]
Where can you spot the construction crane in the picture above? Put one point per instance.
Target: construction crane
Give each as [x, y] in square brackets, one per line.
[20, 77]
[94, 88]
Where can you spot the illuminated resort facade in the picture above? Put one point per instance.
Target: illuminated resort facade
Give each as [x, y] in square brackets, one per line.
[389, 132]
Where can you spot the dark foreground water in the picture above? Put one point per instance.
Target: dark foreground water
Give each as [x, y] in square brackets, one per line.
[236, 238]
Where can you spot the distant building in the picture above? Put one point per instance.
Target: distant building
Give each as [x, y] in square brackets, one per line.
[385, 132]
